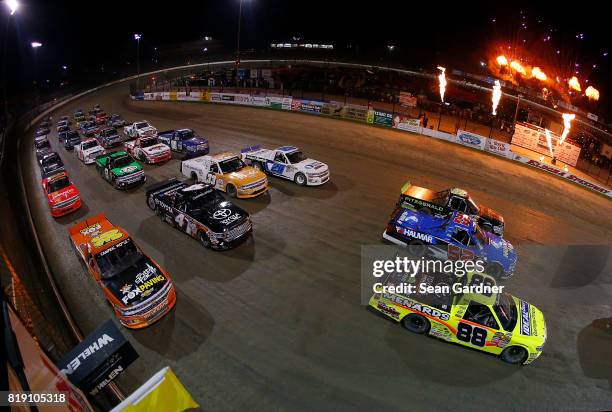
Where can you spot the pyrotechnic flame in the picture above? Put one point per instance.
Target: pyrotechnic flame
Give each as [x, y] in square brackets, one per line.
[592, 93]
[574, 84]
[496, 96]
[538, 74]
[502, 61]
[517, 67]
[549, 142]
[567, 124]
[442, 81]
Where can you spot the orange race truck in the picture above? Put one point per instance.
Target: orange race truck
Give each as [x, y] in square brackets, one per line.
[137, 288]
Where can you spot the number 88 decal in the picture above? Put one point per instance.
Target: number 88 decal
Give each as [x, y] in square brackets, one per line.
[474, 335]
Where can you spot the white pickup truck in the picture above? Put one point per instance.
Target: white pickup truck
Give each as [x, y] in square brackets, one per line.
[148, 149]
[140, 129]
[287, 162]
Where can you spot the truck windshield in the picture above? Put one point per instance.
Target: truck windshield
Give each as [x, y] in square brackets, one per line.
[185, 134]
[108, 132]
[89, 145]
[54, 158]
[231, 165]
[505, 309]
[142, 125]
[296, 157]
[116, 258]
[148, 142]
[205, 200]
[122, 161]
[58, 184]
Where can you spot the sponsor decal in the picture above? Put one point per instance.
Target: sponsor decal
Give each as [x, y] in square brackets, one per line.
[388, 310]
[419, 202]
[91, 230]
[106, 237]
[469, 139]
[417, 306]
[128, 169]
[129, 293]
[146, 274]
[525, 319]
[413, 234]
[500, 339]
[221, 214]
[149, 283]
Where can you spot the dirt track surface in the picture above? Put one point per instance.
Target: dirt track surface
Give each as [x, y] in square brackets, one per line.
[277, 324]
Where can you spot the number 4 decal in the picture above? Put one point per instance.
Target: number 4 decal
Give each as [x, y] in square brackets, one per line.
[474, 335]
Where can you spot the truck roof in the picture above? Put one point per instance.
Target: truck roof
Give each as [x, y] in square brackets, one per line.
[418, 192]
[287, 149]
[98, 233]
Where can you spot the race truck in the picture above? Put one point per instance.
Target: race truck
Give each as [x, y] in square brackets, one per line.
[115, 121]
[120, 170]
[138, 289]
[69, 139]
[88, 150]
[445, 202]
[228, 173]
[50, 164]
[78, 113]
[41, 146]
[140, 129]
[185, 141]
[62, 124]
[101, 118]
[108, 137]
[86, 124]
[148, 150]
[62, 195]
[493, 322]
[63, 129]
[287, 162]
[201, 212]
[42, 132]
[456, 237]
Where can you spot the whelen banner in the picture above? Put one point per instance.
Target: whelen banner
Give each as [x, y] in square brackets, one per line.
[534, 138]
[98, 359]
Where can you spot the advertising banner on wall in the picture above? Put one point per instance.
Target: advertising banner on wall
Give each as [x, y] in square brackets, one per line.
[307, 106]
[402, 122]
[359, 113]
[470, 139]
[380, 117]
[498, 148]
[533, 138]
[407, 99]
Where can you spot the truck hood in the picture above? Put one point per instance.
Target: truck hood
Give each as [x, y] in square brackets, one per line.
[195, 141]
[500, 250]
[223, 216]
[92, 150]
[126, 170]
[156, 149]
[311, 166]
[63, 194]
[137, 282]
[147, 131]
[245, 175]
[530, 320]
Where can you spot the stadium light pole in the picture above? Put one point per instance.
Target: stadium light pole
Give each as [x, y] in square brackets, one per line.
[35, 46]
[137, 38]
[238, 35]
[13, 6]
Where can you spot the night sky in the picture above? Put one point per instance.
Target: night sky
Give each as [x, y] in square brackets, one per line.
[96, 36]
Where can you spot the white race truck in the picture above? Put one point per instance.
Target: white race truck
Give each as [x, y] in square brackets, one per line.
[148, 149]
[140, 129]
[287, 162]
[88, 150]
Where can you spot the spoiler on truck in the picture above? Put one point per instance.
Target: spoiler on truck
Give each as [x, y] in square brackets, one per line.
[165, 185]
[405, 187]
[90, 221]
[250, 149]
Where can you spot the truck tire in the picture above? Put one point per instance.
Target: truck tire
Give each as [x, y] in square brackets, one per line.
[151, 203]
[514, 355]
[416, 323]
[230, 189]
[205, 240]
[194, 177]
[494, 269]
[300, 179]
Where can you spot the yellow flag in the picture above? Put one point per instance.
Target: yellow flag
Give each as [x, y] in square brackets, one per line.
[165, 393]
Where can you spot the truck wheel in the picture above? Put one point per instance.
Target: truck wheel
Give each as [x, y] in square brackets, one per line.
[231, 190]
[416, 323]
[514, 355]
[205, 240]
[194, 177]
[300, 179]
[495, 270]
[151, 203]
[417, 248]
